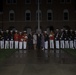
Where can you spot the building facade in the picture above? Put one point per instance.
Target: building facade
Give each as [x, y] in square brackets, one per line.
[23, 14]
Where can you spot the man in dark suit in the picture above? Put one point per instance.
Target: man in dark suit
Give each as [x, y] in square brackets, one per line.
[30, 41]
[39, 40]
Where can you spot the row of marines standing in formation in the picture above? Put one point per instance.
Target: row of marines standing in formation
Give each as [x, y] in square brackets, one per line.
[54, 40]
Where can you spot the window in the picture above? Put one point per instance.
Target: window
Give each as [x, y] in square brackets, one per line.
[62, 1]
[49, 15]
[27, 15]
[8, 1]
[49, 1]
[11, 1]
[66, 15]
[14, 1]
[37, 1]
[75, 5]
[68, 1]
[27, 1]
[65, 1]
[40, 15]
[11, 15]
[1, 6]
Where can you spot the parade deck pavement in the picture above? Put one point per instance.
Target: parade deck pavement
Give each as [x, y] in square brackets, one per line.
[34, 63]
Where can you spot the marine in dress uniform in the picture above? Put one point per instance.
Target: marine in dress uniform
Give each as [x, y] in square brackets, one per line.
[25, 38]
[66, 39]
[39, 42]
[71, 39]
[51, 38]
[46, 39]
[20, 40]
[62, 38]
[57, 35]
[2, 39]
[6, 38]
[16, 38]
[75, 39]
[11, 39]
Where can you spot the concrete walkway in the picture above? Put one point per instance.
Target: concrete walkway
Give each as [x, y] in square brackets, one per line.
[34, 63]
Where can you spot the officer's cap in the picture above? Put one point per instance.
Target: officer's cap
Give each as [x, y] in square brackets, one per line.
[71, 30]
[1, 31]
[20, 32]
[24, 31]
[45, 31]
[57, 29]
[15, 30]
[66, 30]
[11, 31]
[7, 30]
[61, 29]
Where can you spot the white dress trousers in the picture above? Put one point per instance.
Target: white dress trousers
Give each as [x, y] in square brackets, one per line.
[6, 44]
[11, 44]
[16, 44]
[46, 44]
[52, 44]
[2, 44]
[62, 44]
[66, 44]
[75, 43]
[57, 44]
[20, 45]
[24, 45]
[71, 44]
